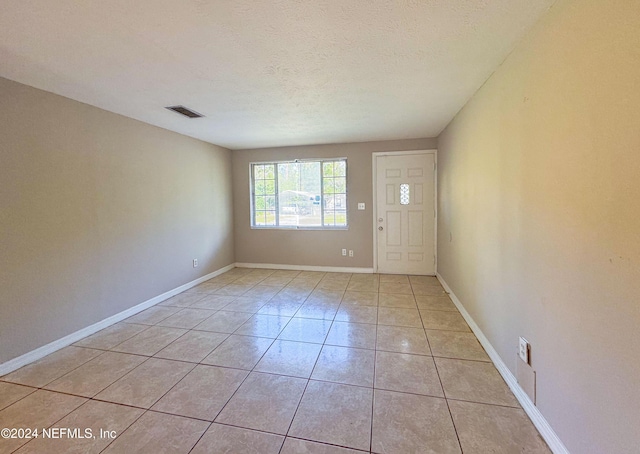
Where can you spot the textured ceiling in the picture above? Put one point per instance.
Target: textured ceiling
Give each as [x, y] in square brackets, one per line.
[267, 73]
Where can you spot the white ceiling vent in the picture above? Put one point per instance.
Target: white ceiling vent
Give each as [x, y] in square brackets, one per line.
[182, 110]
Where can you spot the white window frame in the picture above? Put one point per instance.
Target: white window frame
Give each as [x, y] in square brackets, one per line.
[277, 210]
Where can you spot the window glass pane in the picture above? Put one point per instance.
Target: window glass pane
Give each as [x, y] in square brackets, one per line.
[269, 186]
[327, 169]
[328, 186]
[260, 218]
[298, 190]
[340, 168]
[340, 185]
[260, 203]
[258, 172]
[260, 187]
[270, 218]
[270, 202]
[269, 171]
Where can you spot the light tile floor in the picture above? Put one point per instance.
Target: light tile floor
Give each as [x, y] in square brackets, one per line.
[264, 361]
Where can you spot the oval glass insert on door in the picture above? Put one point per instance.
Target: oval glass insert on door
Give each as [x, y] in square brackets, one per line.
[404, 194]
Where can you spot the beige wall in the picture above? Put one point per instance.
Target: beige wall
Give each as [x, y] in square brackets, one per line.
[98, 213]
[313, 247]
[539, 217]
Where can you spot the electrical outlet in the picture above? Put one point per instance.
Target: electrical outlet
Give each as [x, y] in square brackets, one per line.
[344, 252]
[361, 206]
[350, 253]
[195, 263]
[523, 349]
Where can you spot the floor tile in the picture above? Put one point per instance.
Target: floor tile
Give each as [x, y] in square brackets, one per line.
[263, 292]
[363, 286]
[331, 284]
[323, 311]
[435, 303]
[52, 366]
[358, 335]
[150, 341]
[424, 280]
[263, 326]
[224, 322]
[488, 428]
[182, 300]
[313, 275]
[242, 352]
[395, 287]
[351, 366]
[281, 307]
[146, 384]
[234, 288]
[246, 304]
[399, 317]
[397, 300]
[402, 339]
[407, 423]
[394, 278]
[303, 284]
[336, 414]
[407, 373]
[206, 287]
[450, 321]
[434, 290]
[92, 415]
[194, 346]
[221, 439]
[264, 402]
[291, 294]
[10, 393]
[156, 433]
[111, 336]
[325, 296]
[202, 392]
[474, 381]
[364, 277]
[186, 318]
[277, 280]
[360, 298]
[290, 358]
[37, 410]
[337, 276]
[249, 280]
[357, 314]
[224, 278]
[214, 302]
[454, 344]
[94, 376]
[297, 446]
[152, 315]
[306, 330]
[286, 273]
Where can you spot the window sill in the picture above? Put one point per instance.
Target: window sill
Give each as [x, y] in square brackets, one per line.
[293, 228]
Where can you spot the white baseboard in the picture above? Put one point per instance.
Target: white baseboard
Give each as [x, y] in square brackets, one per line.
[546, 431]
[51, 347]
[327, 269]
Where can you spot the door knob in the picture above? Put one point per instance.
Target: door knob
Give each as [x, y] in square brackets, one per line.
[380, 228]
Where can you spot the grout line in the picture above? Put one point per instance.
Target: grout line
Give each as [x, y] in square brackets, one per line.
[448, 408]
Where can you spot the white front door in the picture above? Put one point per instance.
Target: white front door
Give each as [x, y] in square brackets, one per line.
[405, 213]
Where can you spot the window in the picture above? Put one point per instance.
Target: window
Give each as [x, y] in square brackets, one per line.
[299, 194]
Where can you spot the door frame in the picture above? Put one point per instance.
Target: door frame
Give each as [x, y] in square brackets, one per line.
[374, 167]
